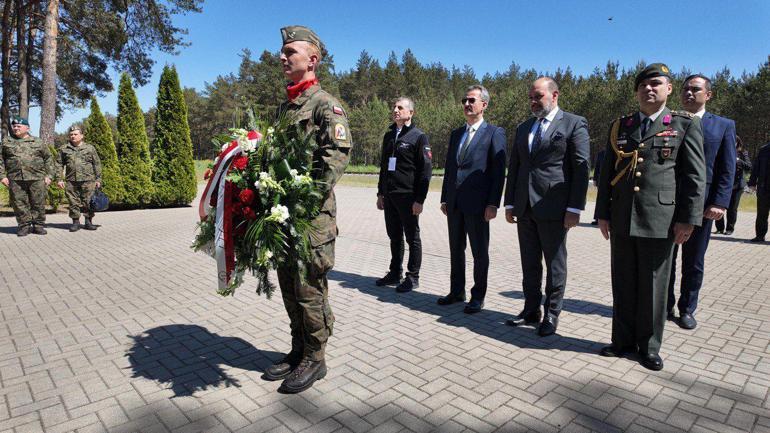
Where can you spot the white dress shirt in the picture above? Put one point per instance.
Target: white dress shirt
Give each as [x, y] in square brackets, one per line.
[546, 121]
[469, 129]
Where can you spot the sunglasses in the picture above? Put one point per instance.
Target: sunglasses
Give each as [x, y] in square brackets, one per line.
[468, 100]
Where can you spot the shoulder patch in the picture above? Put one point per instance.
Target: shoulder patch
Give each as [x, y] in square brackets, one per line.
[340, 132]
[682, 113]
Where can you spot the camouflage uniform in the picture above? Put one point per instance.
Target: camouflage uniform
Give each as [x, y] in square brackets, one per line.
[81, 168]
[26, 162]
[320, 114]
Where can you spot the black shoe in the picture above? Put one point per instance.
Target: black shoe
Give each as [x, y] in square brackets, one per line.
[757, 239]
[39, 230]
[525, 318]
[548, 327]
[75, 225]
[728, 232]
[89, 225]
[284, 367]
[473, 307]
[651, 361]
[719, 232]
[670, 316]
[23, 231]
[408, 285]
[615, 352]
[594, 223]
[450, 299]
[389, 278]
[686, 321]
[304, 376]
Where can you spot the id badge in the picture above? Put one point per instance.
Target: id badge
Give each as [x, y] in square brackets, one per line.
[392, 163]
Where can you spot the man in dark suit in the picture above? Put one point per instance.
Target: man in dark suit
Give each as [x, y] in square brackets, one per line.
[719, 151]
[546, 191]
[760, 182]
[651, 194]
[597, 174]
[474, 175]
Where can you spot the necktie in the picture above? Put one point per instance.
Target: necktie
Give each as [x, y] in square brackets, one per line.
[466, 144]
[537, 138]
[646, 125]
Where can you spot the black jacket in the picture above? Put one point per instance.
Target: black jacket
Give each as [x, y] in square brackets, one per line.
[413, 163]
[742, 165]
[760, 170]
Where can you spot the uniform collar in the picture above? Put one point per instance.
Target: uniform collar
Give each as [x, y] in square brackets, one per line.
[302, 98]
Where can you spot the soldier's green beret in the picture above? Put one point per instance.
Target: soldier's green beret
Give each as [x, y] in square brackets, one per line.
[18, 120]
[74, 128]
[302, 33]
[652, 70]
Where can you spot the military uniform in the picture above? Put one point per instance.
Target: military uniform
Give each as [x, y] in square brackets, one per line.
[647, 183]
[26, 162]
[81, 167]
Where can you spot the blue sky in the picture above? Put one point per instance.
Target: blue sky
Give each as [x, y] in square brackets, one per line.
[703, 36]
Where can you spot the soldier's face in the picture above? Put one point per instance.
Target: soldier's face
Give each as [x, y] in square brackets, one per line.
[20, 130]
[653, 92]
[541, 99]
[401, 112]
[76, 137]
[695, 95]
[297, 60]
[473, 106]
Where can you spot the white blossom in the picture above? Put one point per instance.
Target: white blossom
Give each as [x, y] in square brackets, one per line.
[280, 213]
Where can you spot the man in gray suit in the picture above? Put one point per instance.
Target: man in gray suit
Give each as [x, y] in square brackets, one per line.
[546, 190]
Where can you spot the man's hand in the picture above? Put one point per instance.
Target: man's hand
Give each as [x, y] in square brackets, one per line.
[682, 232]
[714, 212]
[509, 216]
[5, 181]
[98, 184]
[380, 202]
[416, 208]
[604, 227]
[490, 213]
[571, 219]
[443, 208]
[47, 181]
[60, 183]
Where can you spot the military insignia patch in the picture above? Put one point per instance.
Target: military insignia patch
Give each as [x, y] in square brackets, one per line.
[428, 153]
[665, 152]
[338, 110]
[664, 69]
[340, 133]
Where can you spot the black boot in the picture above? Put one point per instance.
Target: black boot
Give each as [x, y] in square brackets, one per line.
[23, 230]
[39, 229]
[304, 376]
[284, 367]
[89, 225]
[75, 225]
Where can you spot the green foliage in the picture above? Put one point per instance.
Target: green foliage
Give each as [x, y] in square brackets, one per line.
[173, 173]
[133, 148]
[368, 123]
[99, 134]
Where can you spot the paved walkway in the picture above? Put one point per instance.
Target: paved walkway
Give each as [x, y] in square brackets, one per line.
[121, 330]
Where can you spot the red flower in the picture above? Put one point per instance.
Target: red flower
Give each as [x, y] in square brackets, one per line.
[249, 213]
[240, 162]
[254, 135]
[207, 174]
[247, 196]
[237, 208]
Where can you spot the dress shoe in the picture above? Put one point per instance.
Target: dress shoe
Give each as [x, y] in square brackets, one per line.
[670, 316]
[474, 306]
[39, 230]
[408, 285]
[651, 361]
[757, 239]
[615, 352]
[594, 223]
[304, 376]
[450, 299]
[389, 278]
[686, 321]
[524, 318]
[75, 226]
[23, 231]
[89, 225]
[284, 367]
[548, 327]
[728, 232]
[719, 232]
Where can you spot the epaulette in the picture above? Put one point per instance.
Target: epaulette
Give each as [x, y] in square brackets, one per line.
[686, 114]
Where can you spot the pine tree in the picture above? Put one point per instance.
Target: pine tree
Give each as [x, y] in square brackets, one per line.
[173, 173]
[133, 147]
[99, 134]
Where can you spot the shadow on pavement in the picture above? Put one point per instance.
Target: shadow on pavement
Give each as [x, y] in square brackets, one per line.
[488, 323]
[571, 305]
[189, 358]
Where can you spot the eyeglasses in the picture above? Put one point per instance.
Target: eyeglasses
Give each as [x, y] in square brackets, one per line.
[468, 101]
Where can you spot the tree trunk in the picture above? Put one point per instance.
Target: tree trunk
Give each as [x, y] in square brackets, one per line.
[7, 36]
[23, 69]
[48, 105]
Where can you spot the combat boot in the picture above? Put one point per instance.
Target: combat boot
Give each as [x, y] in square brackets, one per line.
[89, 225]
[39, 229]
[75, 225]
[284, 367]
[23, 230]
[304, 376]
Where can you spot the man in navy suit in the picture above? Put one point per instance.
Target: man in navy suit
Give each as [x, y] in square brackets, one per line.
[474, 175]
[719, 150]
[546, 191]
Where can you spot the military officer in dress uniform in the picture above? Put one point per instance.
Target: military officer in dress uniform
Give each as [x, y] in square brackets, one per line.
[26, 168]
[79, 163]
[651, 194]
[306, 296]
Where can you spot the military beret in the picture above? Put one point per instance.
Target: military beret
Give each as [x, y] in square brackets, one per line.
[18, 120]
[74, 128]
[652, 70]
[302, 33]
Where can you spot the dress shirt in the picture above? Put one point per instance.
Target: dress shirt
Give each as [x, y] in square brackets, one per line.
[469, 129]
[701, 112]
[546, 121]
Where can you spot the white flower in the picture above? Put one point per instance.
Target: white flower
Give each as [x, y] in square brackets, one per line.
[280, 213]
[263, 175]
[246, 144]
[256, 184]
[216, 160]
[293, 172]
[268, 254]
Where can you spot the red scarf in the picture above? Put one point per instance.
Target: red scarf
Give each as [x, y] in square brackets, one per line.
[294, 90]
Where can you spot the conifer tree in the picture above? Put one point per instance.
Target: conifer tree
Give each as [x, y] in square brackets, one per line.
[173, 172]
[99, 134]
[133, 147]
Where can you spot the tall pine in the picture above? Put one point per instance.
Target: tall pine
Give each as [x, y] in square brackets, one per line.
[99, 134]
[173, 172]
[133, 147]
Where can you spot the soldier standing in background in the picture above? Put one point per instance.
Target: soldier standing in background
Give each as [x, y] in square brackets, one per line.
[26, 168]
[79, 164]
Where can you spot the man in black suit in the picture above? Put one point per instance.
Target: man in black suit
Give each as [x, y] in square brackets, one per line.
[597, 174]
[546, 191]
[760, 183]
[474, 175]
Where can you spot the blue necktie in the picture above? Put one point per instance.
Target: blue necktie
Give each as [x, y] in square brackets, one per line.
[646, 125]
[537, 137]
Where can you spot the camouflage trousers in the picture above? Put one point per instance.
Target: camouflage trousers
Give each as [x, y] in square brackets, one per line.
[79, 197]
[28, 198]
[310, 315]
